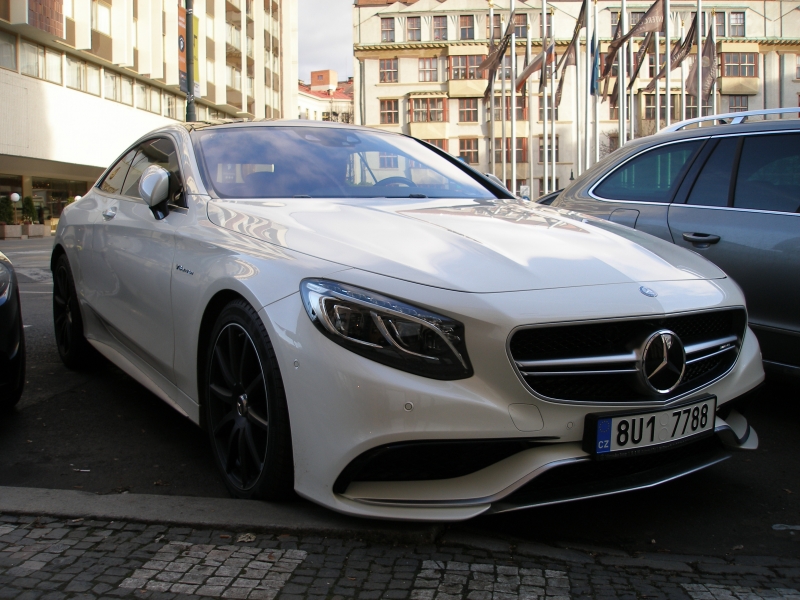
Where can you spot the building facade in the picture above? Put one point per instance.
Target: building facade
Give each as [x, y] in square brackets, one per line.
[325, 98]
[416, 73]
[82, 79]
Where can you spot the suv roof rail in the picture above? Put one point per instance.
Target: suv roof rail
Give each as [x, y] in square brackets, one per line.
[733, 118]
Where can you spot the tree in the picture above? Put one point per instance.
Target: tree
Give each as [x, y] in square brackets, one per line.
[6, 211]
[28, 209]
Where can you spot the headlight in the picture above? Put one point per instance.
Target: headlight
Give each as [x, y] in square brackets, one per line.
[386, 330]
[5, 282]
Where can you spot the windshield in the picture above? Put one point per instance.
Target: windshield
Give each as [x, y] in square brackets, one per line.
[281, 162]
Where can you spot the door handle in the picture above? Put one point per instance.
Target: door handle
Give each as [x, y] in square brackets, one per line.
[701, 240]
[110, 213]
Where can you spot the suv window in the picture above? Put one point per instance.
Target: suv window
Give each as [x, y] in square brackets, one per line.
[159, 152]
[651, 176]
[714, 182]
[769, 173]
[112, 182]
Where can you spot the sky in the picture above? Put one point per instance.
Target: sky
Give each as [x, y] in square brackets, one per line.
[325, 37]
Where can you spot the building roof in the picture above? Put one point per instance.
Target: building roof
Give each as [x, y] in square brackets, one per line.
[344, 91]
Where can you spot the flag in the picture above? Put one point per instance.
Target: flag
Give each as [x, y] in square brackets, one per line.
[569, 56]
[549, 60]
[595, 81]
[496, 54]
[653, 20]
[534, 66]
[709, 73]
[640, 56]
[614, 93]
[677, 56]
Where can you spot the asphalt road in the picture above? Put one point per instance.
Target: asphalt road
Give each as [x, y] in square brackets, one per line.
[102, 432]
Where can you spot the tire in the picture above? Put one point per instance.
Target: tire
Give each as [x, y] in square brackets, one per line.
[76, 353]
[245, 407]
[17, 371]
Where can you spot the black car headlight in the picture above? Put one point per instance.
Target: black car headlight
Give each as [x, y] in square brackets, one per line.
[5, 283]
[386, 330]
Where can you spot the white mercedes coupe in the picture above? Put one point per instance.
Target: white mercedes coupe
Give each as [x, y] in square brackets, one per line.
[363, 319]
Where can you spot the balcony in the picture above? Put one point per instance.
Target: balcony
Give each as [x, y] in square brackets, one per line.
[250, 86]
[250, 45]
[233, 78]
[233, 36]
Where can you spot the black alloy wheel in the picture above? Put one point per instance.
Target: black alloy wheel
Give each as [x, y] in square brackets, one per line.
[246, 410]
[16, 381]
[75, 352]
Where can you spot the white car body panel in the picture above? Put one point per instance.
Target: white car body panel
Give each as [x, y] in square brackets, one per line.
[522, 265]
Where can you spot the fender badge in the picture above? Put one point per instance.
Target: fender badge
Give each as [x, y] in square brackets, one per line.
[648, 292]
[188, 272]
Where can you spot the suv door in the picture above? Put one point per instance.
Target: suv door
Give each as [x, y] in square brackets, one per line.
[742, 214]
[134, 255]
[638, 192]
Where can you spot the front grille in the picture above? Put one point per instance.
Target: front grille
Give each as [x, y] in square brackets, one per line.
[600, 362]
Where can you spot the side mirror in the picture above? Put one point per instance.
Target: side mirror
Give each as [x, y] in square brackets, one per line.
[154, 185]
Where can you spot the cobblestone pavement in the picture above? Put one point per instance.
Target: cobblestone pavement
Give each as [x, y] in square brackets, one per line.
[49, 559]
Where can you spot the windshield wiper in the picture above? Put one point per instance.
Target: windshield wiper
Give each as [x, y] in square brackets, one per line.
[409, 196]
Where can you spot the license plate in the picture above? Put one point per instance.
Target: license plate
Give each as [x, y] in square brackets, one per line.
[638, 432]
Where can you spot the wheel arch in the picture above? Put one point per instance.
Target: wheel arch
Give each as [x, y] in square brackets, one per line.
[58, 250]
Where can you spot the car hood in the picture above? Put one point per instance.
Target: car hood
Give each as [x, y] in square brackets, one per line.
[463, 245]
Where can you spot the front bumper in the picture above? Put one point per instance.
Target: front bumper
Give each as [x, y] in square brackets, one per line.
[342, 405]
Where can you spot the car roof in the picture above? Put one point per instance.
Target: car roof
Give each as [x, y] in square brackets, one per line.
[229, 123]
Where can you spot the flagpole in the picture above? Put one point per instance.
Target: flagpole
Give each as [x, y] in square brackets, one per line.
[553, 106]
[631, 111]
[699, 69]
[545, 186]
[713, 28]
[596, 103]
[657, 56]
[503, 106]
[587, 92]
[621, 76]
[683, 77]
[668, 57]
[529, 57]
[491, 97]
[576, 130]
[513, 105]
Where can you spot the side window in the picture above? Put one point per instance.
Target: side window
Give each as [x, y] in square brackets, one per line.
[112, 182]
[713, 184]
[769, 173]
[652, 176]
[159, 152]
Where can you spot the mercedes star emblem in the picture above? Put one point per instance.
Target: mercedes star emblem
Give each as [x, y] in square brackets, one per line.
[648, 292]
[663, 362]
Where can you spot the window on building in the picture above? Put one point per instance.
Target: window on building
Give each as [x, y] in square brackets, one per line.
[550, 185]
[414, 29]
[521, 150]
[466, 25]
[82, 76]
[505, 68]
[31, 59]
[439, 28]
[522, 109]
[428, 110]
[739, 64]
[390, 114]
[635, 18]
[691, 107]
[703, 19]
[719, 24]
[170, 108]
[387, 160]
[737, 103]
[552, 111]
[652, 176]
[466, 67]
[650, 107]
[141, 95]
[497, 30]
[549, 150]
[521, 26]
[118, 88]
[155, 101]
[651, 65]
[468, 150]
[8, 51]
[614, 23]
[467, 110]
[428, 69]
[549, 22]
[101, 17]
[737, 24]
[52, 66]
[211, 68]
[387, 29]
[440, 144]
[388, 70]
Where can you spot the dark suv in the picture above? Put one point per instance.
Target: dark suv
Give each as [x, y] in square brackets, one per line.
[731, 193]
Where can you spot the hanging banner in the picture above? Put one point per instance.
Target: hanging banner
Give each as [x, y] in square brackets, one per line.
[182, 78]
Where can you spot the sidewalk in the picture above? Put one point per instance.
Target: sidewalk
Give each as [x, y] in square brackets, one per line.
[52, 558]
